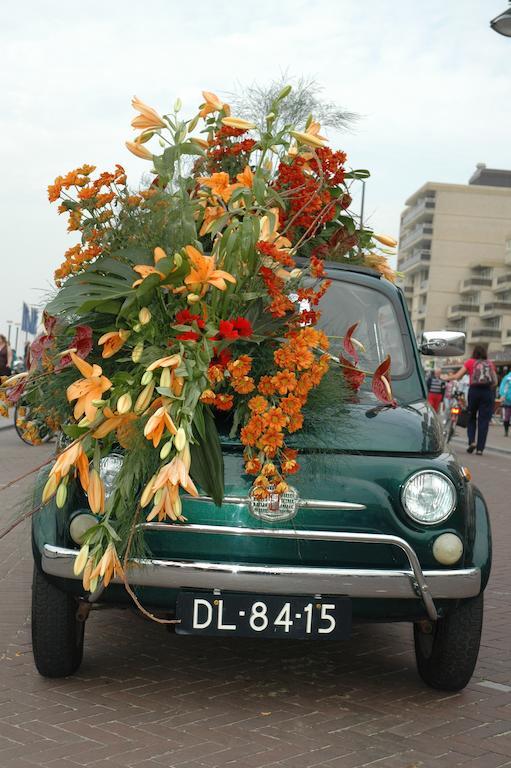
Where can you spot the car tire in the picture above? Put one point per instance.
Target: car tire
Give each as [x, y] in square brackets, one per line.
[57, 635]
[446, 656]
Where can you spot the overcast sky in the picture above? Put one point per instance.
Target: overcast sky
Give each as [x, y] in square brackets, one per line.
[430, 80]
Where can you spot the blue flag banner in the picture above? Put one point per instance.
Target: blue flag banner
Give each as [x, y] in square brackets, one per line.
[34, 315]
[25, 318]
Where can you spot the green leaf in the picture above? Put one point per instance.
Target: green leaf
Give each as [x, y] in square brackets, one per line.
[207, 467]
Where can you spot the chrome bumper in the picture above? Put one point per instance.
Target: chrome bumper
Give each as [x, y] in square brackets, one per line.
[354, 582]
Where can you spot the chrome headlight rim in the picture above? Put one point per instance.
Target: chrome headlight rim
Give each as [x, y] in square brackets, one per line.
[417, 519]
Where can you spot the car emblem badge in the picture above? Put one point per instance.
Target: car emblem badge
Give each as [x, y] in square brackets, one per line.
[275, 507]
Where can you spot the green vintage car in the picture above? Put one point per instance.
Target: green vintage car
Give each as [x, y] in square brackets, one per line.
[382, 524]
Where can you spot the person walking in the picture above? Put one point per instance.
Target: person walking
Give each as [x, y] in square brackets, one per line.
[481, 396]
[505, 399]
[436, 389]
[5, 357]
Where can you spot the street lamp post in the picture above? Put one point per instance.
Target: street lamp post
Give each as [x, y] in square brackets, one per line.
[502, 23]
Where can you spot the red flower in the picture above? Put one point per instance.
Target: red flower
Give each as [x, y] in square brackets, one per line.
[82, 342]
[221, 358]
[14, 393]
[243, 326]
[188, 336]
[227, 330]
[185, 317]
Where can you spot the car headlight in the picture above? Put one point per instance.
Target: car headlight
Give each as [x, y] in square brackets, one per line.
[428, 497]
[109, 468]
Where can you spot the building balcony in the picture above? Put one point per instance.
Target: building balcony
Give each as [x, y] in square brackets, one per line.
[420, 232]
[502, 284]
[506, 338]
[416, 259]
[473, 283]
[408, 291]
[421, 209]
[495, 308]
[462, 310]
[423, 287]
[484, 334]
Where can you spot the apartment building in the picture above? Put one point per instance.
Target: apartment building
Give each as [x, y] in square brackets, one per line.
[455, 255]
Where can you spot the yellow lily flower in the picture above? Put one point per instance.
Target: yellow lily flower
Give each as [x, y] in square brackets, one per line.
[204, 274]
[165, 489]
[166, 362]
[108, 566]
[88, 389]
[122, 423]
[211, 214]
[246, 177]
[148, 119]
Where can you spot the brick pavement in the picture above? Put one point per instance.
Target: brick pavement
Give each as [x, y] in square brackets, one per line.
[148, 698]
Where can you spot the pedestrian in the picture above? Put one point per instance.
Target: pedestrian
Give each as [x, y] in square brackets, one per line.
[505, 399]
[436, 389]
[481, 396]
[5, 356]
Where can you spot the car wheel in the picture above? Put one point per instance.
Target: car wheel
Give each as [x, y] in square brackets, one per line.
[446, 656]
[57, 635]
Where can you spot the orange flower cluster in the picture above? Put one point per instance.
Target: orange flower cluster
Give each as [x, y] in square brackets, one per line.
[92, 207]
[277, 408]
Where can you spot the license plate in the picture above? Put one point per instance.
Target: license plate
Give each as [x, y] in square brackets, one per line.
[252, 615]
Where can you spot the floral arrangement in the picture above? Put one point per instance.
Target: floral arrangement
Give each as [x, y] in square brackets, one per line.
[192, 300]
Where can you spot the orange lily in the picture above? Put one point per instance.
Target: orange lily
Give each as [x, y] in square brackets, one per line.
[148, 119]
[246, 177]
[108, 566]
[211, 104]
[385, 240]
[88, 389]
[166, 362]
[75, 456]
[122, 423]
[144, 270]
[165, 490]
[309, 138]
[314, 129]
[203, 272]
[220, 185]
[156, 424]
[139, 150]
[238, 122]
[113, 341]
[211, 214]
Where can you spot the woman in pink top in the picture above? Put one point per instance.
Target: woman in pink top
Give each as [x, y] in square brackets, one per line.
[481, 396]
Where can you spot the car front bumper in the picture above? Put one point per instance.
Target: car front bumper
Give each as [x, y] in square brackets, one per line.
[413, 583]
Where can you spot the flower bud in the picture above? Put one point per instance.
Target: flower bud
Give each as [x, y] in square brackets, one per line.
[186, 456]
[166, 449]
[178, 260]
[146, 378]
[81, 560]
[49, 488]
[165, 377]
[137, 327]
[147, 493]
[124, 403]
[144, 398]
[180, 439]
[98, 403]
[192, 298]
[144, 315]
[177, 105]
[295, 273]
[193, 123]
[157, 496]
[61, 496]
[96, 493]
[284, 92]
[84, 422]
[137, 352]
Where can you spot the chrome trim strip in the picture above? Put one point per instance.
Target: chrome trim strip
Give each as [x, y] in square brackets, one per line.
[417, 576]
[365, 583]
[302, 503]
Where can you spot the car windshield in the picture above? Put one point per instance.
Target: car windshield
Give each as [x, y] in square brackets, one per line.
[346, 303]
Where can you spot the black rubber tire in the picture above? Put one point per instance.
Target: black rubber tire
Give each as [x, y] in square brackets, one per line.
[57, 636]
[446, 657]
